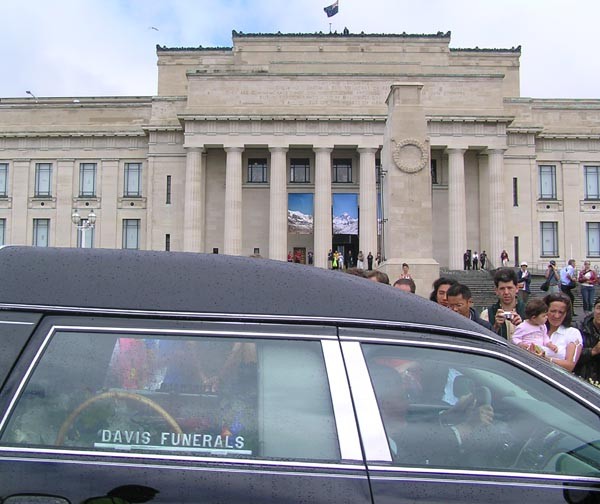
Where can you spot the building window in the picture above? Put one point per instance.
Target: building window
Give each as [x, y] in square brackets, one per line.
[131, 233]
[549, 232]
[257, 171]
[592, 182]
[133, 180]
[548, 182]
[593, 239]
[167, 242]
[43, 180]
[2, 232]
[3, 180]
[299, 170]
[515, 192]
[87, 180]
[434, 172]
[342, 171]
[168, 198]
[41, 229]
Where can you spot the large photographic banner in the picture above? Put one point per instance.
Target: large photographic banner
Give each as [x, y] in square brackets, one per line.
[345, 213]
[300, 213]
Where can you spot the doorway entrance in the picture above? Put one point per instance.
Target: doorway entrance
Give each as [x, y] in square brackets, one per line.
[347, 245]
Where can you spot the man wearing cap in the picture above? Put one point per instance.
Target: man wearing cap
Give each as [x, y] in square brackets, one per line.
[553, 278]
[524, 281]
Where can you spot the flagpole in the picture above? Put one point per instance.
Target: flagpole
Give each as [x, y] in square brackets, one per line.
[330, 28]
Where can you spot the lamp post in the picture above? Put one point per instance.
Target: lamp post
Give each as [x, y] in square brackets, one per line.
[83, 224]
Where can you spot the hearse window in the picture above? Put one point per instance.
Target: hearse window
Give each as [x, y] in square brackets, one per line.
[15, 329]
[178, 396]
[465, 411]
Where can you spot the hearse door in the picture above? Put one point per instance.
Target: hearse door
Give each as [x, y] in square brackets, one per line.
[186, 412]
[460, 424]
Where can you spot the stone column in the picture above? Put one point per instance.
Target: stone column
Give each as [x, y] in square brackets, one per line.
[457, 212]
[367, 202]
[149, 192]
[497, 236]
[65, 229]
[322, 218]
[19, 232]
[232, 243]
[278, 205]
[193, 213]
[406, 188]
[109, 228]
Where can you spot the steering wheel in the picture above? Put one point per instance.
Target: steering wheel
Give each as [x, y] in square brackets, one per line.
[115, 394]
[538, 449]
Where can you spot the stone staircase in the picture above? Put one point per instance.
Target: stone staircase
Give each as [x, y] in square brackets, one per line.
[481, 284]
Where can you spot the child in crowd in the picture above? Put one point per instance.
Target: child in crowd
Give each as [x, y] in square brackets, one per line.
[532, 333]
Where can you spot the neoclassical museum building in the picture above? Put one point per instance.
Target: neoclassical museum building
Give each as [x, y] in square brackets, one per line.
[296, 143]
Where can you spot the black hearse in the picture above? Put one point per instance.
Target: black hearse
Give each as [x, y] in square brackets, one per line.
[131, 376]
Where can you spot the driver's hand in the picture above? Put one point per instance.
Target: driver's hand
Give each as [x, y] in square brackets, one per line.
[474, 415]
[486, 414]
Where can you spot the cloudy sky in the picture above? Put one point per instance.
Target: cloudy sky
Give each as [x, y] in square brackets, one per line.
[107, 47]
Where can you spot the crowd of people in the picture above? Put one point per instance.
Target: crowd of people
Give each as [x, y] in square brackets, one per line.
[543, 326]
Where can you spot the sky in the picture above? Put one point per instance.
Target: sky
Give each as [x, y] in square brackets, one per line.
[78, 48]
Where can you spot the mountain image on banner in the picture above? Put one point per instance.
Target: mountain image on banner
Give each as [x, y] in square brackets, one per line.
[299, 222]
[345, 224]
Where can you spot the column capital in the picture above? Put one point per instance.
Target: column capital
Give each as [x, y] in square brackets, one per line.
[233, 148]
[194, 149]
[367, 150]
[326, 150]
[455, 150]
[278, 149]
[496, 151]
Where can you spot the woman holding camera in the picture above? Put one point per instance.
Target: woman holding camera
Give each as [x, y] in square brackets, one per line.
[553, 278]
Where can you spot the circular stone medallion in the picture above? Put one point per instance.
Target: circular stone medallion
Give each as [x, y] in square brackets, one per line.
[410, 155]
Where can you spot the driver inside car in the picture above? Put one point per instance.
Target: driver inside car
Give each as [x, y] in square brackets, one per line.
[459, 433]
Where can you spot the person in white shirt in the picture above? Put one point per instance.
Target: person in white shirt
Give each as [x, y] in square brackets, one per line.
[568, 339]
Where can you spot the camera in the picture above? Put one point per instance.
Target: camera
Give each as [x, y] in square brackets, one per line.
[507, 315]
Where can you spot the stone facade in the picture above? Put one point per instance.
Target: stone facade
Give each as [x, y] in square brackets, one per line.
[172, 171]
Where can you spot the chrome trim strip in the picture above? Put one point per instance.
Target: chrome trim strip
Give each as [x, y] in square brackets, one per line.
[410, 473]
[252, 317]
[475, 350]
[562, 481]
[15, 322]
[128, 457]
[369, 420]
[343, 409]
[186, 332]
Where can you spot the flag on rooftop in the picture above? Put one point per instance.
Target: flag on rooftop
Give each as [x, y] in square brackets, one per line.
[331, 10]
